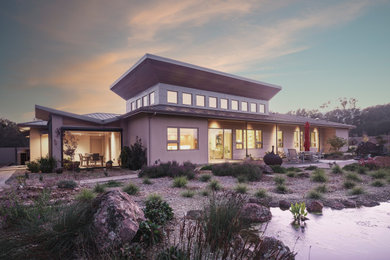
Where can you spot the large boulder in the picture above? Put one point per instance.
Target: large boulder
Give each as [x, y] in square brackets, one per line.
[284, 204]
[272, 248]
[116, 219]
[314, 206]
[255, 213]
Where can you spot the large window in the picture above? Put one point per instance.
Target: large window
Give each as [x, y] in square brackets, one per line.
[200, 100]
[244, 106]
[314, 139]
[280, 139]
[253, 107]
[151, 98]
[145, 101]
[234, 105]
[259, 139]
[213, 102]
[255, 139]
[262, 108]
[240, 139]
[172, 97]
[187, 99]
[224, 103]
[182, 138]
[296, 139]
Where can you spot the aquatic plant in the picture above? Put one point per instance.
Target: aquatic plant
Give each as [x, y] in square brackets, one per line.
[299, 212]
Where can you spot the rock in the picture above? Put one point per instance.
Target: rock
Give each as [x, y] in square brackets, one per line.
[261, 201]
[366, 203]
[253, 213]
[334, 204]
[284, 204]
[266, 169]
[303, 175]
[314, 206]
[274, 203]
[349, 203]
[194, 214]
[272, 248]
[116, 220]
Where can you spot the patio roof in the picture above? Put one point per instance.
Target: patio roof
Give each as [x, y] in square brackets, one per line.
[152, 69]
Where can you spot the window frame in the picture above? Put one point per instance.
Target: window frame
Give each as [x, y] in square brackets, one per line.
[235, 102]
[242, 106]
[177, 96]
[177, 142]
[259, 143]
[152, 94]
[139, 103]
[216, 102]
[260, 110]
[145, 104]
[280, 145]
[133, 106]
[223, 100]
[253, 105]
[240, 145]
[196, 100]
[182, 98]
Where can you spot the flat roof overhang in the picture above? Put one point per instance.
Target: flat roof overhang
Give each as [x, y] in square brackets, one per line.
[152, 69]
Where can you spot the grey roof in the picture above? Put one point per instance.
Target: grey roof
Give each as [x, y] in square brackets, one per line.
[36, 123]
[102, 116]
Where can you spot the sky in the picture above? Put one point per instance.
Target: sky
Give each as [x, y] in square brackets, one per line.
[66, 54]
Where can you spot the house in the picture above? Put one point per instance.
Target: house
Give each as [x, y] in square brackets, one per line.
[181, 112]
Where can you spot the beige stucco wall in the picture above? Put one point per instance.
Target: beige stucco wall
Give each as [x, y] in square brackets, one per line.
[39, 144]
[56, 124]
[327, 133]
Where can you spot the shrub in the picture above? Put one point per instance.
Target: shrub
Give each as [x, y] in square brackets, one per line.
[336, 169]
[33, 167]
[293, 169]
[131, 189]
[169, 169]
[180, 182]
[147, 181]
[351, 167]
[349, 184]
[313, 194]
[281, 188]
[207, 168]
[250, 171]
[278, 169]
[112, 184]
[134, 157]
[205, 177]
[172, 253]
[99, 188]
[353, 177]
[261, 193]
[361, 170]
[157, 210]
[291, 174]
[241, 188]
[242, 179]
[336, 143]
[149, 233]
[357, 191]
[311, 168]
[214, 185]
[47, 164]
[279, 180]
[188, 194]
[321, 188]
[85, 195]
[319, 176]
[67, 184]
[379, 174]
[204, 193]
[378, 183]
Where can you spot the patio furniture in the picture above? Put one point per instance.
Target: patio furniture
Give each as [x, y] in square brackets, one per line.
[96, 158]
[318, 153]
[311, 156]
[292, 155]
[83, 160]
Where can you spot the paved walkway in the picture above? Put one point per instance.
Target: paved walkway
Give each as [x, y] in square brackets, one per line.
[6, 172]
[112, 178]
[321, 163]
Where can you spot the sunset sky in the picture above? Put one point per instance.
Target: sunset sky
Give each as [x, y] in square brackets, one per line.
[66, 54]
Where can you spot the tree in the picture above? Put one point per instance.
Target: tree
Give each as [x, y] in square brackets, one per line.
[70, 144]
[10, 136]
[337, 142]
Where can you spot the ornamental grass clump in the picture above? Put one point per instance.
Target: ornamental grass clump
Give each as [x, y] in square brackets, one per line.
[378, 183]
[147, 181]
[279, 180]
[336, 169]
[357, 191]
[188, 194]
[314, 194]
[281, 188]
[353, 177]
[131, 189]
[67, 184]
[261, 193]
[318, 175]
[291, 174]
[214, 185]
[112, 184]
[180, 182]
[241, 188]
[311, 168]
[278, 169]
[349, 184]
[294, 169]
[380, 174]
[99, 188]
[85, 195]
[205, 178]
[321, 188]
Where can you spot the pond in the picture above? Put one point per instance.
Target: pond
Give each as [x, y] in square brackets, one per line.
[362, 233]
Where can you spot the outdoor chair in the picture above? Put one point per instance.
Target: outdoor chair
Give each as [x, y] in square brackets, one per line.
[83, 160]
[97, 158]
[311, 156]
[292, 155]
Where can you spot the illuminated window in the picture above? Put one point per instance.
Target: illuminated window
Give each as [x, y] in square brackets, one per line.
[224, 103]
[253, 107]
[314, 138]
[188, 138]
[132, 105]
[187, 99]
[280, 139]
[251, 139]
[200, 101]
[151, 98]
[244, 106]
[139, 104]
[234, 105]
[145, 101]
[296, 139]
[172, 134]
[213, 102]
[262, 108]
[239, 139]
[172, 97]
[259, 139]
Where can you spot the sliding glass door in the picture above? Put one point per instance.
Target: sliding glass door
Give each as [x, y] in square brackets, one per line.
[220, 144]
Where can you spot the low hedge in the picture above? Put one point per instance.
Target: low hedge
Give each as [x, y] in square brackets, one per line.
[169, 169]
[250, 171]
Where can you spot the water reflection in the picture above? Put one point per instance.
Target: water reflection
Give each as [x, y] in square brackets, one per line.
[336, 234]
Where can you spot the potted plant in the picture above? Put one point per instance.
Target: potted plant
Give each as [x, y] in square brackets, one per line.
[109, 164]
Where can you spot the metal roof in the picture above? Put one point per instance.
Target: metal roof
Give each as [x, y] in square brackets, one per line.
[102, 116]
[36, 123]
[152, 69]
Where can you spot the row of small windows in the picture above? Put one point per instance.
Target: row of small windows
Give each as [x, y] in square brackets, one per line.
[146, 100]
[200, 101]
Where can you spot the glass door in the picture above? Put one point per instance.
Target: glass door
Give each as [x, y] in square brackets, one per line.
[220, 144]
[228, 143]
